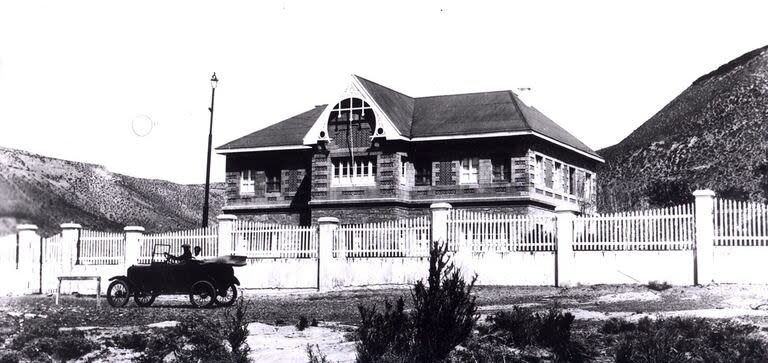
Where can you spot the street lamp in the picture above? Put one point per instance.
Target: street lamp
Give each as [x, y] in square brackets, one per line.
[214, 83]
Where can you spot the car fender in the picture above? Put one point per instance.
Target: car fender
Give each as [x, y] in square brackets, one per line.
[235, 280]
[124, 279]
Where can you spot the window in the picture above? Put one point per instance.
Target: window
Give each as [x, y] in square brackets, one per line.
[469, 168]
[557, 178]
[572, 181]
[538, 171]
[501, 169]
[588, 185]
[246, 182]
[423, 172]
[351, 123]
[273, 180]
[362, 172]
[403, 170]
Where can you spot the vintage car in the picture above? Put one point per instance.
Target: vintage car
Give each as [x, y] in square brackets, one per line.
[206, 281]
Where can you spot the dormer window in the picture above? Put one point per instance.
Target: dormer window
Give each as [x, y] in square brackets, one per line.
[351, 123]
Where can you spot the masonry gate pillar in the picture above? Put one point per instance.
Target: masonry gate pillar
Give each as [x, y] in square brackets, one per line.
[132, 244]
[226, 227]
[564, 259]
[704, 248]
[70, 238]
[327, 229]
[28, 259]
[439, 221]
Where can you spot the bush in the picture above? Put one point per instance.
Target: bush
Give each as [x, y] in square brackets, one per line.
[383, 334]
[444, 315]
[10, 357]
[658, 286]
[73, 345]
[316, 357]
[33, 329]
[690, 339]
[616, 326]
[523, 327]
[159, 345]
[314, 322]
[236, 332]
[303, 323]
[134, 341]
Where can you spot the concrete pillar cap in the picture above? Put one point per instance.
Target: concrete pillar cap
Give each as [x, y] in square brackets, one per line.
[440, 206]
[704, 193]
[226, 217]
[71, 226]
[328, 220]
[566, 209]
[133, 229]
[26, 227]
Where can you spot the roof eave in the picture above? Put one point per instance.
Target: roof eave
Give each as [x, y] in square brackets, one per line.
[260, 149]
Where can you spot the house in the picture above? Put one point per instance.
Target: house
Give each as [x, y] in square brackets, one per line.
[375, 154]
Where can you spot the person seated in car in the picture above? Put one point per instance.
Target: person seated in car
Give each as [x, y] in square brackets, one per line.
[186, 255]
[197, 252]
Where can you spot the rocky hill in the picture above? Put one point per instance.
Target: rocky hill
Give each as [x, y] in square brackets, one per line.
[47, 192]
[713, 135]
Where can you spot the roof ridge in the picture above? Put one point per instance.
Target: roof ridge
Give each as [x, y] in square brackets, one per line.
[381, 85]
[513, 96]
[463, 94]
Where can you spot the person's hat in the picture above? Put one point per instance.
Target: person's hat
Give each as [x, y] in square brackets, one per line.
[185, 245]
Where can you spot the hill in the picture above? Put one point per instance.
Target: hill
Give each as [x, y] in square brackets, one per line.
[47, 192]
[713, 135]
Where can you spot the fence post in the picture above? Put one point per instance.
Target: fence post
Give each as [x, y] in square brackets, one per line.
[439, 221]
[226, 227]
[132, 244]
[328, 226]
[704, 248]
[28, 259]
[564, 269]
[70, 237]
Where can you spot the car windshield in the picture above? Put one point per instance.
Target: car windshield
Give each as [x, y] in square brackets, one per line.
[159, 251]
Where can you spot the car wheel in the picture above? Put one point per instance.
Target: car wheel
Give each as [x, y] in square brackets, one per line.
[118, 293]
[228, 297]
[202, 294]
[143, 298]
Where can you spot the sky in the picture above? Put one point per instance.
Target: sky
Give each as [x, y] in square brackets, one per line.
[85, 80]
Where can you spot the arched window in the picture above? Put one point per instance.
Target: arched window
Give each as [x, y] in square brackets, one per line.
[351, 121]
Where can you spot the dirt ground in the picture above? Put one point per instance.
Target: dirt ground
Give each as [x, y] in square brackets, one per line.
[273, 335]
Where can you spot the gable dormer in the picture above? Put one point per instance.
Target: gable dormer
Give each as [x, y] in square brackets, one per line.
[354, 116]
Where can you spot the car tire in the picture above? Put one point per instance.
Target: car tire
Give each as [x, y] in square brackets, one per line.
[143, 299]
[202, 294]
[229, 298]
[118, 293]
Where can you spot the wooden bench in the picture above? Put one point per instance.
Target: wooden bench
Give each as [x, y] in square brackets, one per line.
[80, 278]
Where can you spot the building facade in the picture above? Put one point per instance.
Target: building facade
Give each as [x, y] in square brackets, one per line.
[376, 154]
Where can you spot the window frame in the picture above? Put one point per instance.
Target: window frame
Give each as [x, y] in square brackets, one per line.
[273, 177]
[422, 172]
[247, 185]
[505, 164]
[470, 174]
[344, 174]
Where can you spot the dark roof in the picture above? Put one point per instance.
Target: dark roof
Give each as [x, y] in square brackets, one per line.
[450, 115]
[397, 106]
[283, 133]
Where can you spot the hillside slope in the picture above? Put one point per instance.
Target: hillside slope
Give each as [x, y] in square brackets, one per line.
[48, 191]
[713, 135]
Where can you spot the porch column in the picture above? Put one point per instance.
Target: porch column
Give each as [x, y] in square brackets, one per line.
[70, 238]
[28, 259]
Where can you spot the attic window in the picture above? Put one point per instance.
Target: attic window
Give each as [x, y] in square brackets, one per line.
[351, 122]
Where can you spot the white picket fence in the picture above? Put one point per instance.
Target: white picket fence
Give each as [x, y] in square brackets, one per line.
[740, 223]
[656, 229]
[264, 240]
[400, 238]
[486, 232]
[101, 248]
[206, 238]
